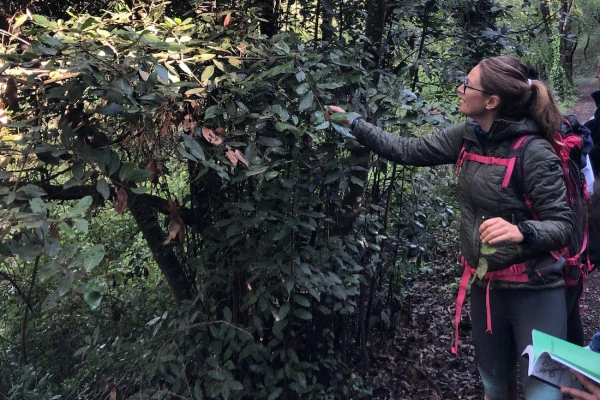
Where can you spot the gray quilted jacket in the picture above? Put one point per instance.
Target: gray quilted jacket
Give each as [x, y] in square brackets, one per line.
[481, 195]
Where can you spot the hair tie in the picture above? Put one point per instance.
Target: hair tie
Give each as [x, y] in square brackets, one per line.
[529, 82]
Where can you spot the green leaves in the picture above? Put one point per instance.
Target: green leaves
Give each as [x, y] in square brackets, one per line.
[193, 150]
[44, 22]
[93, 257]
[79, 208]
[482, 265]
[128, 172]
[207, 74]
[482, 268]
[343, 117]
[487, 249]
[338, 119]
[264, 254]
[93, 294]
[307, 101]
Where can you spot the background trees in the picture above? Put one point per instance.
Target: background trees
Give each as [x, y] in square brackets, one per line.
[179, 217]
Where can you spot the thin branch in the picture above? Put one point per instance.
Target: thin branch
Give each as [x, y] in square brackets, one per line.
[12, 35]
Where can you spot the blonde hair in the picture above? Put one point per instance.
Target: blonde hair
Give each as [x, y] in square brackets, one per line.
[507, 77]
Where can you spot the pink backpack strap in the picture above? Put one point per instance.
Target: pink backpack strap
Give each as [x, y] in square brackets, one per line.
[460, 299]
[509, 163]
[514, 273]
[460, 160]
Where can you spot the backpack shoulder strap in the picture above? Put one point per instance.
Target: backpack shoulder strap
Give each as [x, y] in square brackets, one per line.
[517, 150]
[464, 155]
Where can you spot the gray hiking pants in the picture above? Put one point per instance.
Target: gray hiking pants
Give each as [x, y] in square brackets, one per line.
[514, 313]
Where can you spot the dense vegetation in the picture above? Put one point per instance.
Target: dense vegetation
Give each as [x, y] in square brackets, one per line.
[179, 220]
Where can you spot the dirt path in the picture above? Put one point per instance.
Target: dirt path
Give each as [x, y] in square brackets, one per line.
[585, 107]
[591, 305]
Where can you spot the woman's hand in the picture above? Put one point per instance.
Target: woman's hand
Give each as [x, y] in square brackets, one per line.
[336, 109]
[580, 394]
[496, 230]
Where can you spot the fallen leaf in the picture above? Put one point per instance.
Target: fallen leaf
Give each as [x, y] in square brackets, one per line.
[154, 169]
[4, 161]
[165, 125]
[144, 75]
[120, 203]
[231, 156]
[10, 95]
[188, 123]
[210, 136]
[176, 225]
[221, 132]
[240, 156]
[54, 232]
[195, 106]
[227, 20]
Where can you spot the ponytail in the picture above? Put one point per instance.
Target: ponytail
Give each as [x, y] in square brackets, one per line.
[544, 110]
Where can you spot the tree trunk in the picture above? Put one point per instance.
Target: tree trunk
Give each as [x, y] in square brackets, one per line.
[568, 42]
[270, 15]
[546, 18]
[327, 32]
[181, 286]
[374, 26]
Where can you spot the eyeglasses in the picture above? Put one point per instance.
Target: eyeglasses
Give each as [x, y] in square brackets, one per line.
[466, 85]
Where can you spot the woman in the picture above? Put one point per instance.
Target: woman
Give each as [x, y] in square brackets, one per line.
[523, 288]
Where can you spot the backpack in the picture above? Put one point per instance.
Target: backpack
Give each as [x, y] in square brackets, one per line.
[572, 143]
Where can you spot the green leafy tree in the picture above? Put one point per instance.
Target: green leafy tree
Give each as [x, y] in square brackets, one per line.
[247, 237]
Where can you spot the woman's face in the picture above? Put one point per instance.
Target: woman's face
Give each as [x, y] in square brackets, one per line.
[472, 97]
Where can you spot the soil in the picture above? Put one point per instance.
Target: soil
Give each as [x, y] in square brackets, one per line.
[414, 362]
[585, 107]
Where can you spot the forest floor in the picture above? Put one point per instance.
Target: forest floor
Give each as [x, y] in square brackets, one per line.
[414, 362]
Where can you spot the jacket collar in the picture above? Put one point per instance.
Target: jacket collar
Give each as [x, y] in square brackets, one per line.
[503, 129]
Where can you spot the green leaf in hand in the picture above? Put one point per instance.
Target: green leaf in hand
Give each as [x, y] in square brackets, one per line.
[341, 129]
[337, 120]
[487, 249]
[338, 117]
[482, 267]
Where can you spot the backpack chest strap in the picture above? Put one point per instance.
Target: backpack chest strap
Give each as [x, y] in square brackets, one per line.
[509, 163]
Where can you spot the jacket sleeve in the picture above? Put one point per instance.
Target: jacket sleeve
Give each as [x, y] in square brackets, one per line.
[594, 126]
[593, 123]
[442, 147]
[545, 187]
